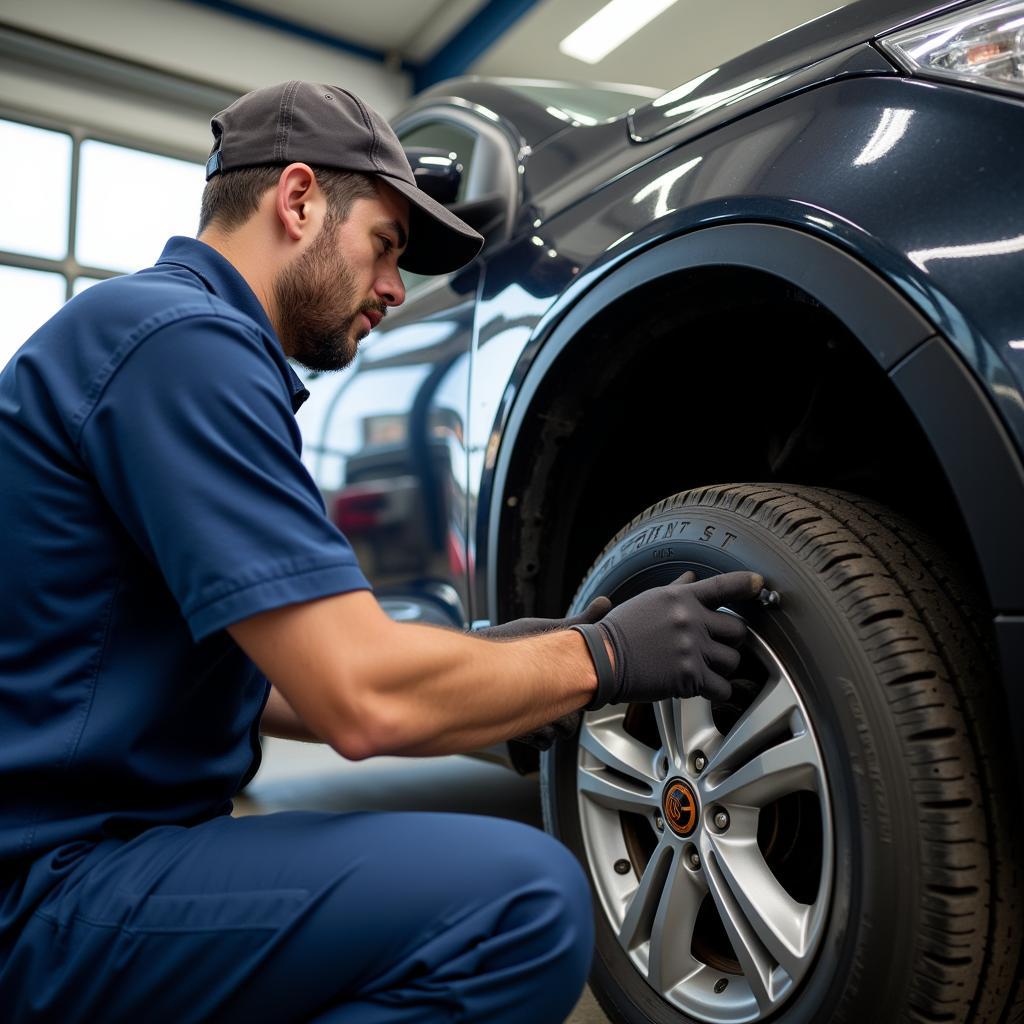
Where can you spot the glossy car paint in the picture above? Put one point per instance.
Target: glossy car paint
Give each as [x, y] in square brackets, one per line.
[917, 182]
[386, 444]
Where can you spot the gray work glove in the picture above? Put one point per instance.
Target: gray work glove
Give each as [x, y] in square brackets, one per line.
[671, 641]
[567, 725]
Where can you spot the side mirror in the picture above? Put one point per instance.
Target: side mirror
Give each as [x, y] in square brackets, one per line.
[437, 172]
[486, 214]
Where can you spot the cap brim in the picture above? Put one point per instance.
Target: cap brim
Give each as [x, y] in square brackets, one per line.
[439, 242]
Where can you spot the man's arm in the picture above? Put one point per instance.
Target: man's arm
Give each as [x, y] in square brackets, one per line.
[279, 719]
[367, 685]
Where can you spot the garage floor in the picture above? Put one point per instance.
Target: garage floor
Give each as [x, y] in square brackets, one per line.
[307, 776]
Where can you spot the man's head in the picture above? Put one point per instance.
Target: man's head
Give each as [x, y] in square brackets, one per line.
[328, 243]
[317, 184]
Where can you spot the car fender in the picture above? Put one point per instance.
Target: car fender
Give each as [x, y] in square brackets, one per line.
[977, 454]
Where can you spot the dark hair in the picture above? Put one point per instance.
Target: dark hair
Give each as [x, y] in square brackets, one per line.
[232, 197]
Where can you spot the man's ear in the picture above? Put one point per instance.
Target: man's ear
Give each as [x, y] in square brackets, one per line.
[296, 200]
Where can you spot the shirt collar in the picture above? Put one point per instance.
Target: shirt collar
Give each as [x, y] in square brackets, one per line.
[221, 278]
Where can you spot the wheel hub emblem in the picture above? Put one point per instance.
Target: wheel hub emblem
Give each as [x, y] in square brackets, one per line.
[680, 806]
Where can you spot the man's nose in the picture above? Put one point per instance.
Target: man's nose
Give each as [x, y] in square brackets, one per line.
[391, 288]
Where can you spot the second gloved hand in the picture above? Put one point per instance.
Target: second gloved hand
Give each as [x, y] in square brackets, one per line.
[518, 628]
[671, 641]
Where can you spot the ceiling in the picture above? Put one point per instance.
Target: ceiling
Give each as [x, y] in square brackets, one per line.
[439, 38]
[413, 30]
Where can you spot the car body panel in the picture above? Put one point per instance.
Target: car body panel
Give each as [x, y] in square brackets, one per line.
[795, 163]
[850, 155]
[769, 67]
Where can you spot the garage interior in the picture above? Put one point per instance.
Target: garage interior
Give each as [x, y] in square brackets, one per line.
[113, 89]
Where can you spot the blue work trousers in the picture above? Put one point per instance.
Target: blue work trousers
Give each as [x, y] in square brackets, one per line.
[365, 918]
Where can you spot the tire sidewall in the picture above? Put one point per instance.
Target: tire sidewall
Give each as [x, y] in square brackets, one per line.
[864, 960]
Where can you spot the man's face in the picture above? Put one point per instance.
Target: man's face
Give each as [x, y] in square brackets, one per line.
[329, 298]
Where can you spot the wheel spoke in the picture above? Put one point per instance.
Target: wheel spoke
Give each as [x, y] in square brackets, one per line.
[754, 959]
[766, 719]
[767, 754]
[669, 959]
[766, 918]
[666, 717]
[617, 769]
[789, 767]
[685, 725]
[636, 925]
[609, 743]
[613, 791]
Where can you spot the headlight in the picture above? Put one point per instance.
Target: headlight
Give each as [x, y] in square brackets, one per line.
[980, 45]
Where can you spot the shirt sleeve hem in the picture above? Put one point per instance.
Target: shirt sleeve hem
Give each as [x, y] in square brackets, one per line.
[275, 593]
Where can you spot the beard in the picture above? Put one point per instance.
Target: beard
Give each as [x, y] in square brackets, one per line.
[316, 303]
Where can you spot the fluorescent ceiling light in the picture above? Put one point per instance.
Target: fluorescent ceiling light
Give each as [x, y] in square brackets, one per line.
[610, 28]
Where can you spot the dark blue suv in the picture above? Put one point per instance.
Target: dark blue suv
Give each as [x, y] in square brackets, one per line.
[772, 319]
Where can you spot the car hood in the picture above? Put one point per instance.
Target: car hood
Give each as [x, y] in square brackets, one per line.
[758, 70]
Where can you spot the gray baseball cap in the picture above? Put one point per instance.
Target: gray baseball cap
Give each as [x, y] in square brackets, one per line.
[327, 126]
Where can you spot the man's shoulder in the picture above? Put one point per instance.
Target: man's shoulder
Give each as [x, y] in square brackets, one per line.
[152, 319]
[154, 298]
[126, 316]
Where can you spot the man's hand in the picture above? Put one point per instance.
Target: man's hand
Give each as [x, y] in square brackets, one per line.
[672, 642]
[596, 610]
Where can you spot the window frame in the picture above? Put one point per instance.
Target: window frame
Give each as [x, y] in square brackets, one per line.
[69, 267]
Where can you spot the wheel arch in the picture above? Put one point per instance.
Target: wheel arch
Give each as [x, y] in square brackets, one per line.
[980, 465]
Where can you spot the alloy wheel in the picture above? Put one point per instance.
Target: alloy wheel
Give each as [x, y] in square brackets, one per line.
[707, 828]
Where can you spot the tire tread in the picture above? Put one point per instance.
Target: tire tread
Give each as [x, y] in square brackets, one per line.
[917, 621]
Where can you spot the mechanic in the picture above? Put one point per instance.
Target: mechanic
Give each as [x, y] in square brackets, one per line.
[165, 554]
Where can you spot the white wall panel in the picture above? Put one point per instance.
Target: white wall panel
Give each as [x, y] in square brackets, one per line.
[181, 39]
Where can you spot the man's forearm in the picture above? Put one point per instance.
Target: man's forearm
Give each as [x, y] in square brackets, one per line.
[442, 693]
[421, 700]
[368, 685]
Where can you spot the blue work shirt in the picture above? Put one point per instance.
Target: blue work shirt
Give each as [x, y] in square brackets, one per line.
[152, 494]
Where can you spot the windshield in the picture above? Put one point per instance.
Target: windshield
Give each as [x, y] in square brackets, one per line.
[585, 104]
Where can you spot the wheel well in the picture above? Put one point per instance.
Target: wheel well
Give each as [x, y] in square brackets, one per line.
[711, 375]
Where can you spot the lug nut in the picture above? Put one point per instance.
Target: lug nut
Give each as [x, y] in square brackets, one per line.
[769, 598]
[694, 859]
[622, 867]
[700, 762]
[720, 985]
[721, 820]
[659, 823]
[663, 767]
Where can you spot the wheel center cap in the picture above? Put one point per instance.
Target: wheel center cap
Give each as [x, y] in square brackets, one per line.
[680, 804]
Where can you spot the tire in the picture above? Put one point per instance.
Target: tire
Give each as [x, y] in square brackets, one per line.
[882, 866]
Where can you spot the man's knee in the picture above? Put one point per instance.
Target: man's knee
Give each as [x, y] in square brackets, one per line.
[548, 924]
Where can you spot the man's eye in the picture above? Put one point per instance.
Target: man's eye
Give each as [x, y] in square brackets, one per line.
[388, 244]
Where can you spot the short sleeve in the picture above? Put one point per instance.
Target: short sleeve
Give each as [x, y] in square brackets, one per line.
[194, 444]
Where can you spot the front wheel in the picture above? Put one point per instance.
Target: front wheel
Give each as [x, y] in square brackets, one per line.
[834, 842]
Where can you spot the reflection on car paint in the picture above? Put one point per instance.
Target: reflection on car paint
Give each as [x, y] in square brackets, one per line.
[409, 442]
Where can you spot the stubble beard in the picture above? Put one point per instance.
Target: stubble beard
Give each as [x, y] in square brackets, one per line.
[317, 306]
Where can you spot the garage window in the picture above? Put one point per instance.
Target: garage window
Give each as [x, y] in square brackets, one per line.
[76, 210]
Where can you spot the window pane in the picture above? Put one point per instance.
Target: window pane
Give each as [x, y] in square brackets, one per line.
[35, 228]
[81, 283]
[28, 298]
[130, 203]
